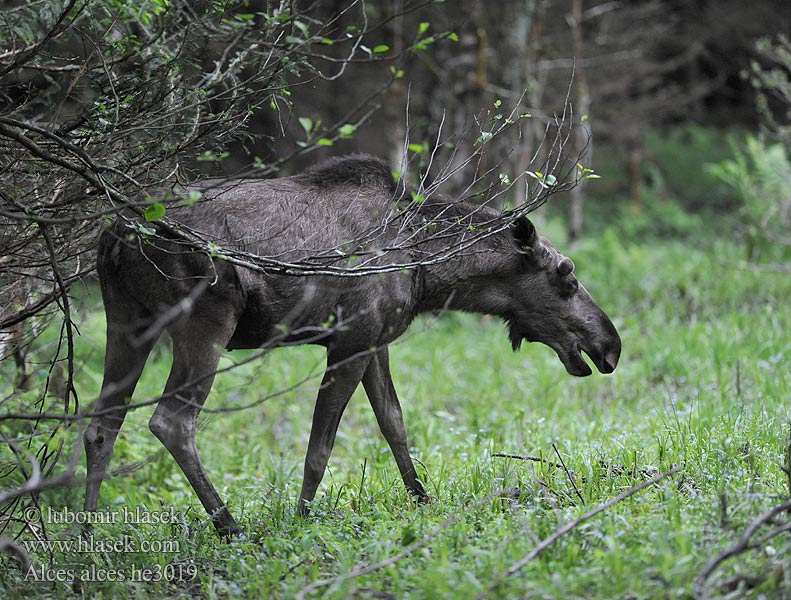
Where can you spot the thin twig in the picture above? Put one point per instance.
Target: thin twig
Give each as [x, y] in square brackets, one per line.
[527, 458]
[569, 474]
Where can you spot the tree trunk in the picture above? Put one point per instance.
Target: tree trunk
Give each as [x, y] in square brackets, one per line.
[583, 140]
[634, 145]
[527, 35]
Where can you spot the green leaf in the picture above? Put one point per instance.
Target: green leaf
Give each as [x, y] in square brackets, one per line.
[302, 27]
[537, 175]
[484, 137]
[453, 36]
[154, 212]
[422, 28]
[146, 230]
[307, 124]
[347, 130]
[323, 142]
[584, 172]
[424, 43]
[497, 103]
[209, 156]
[408, 535]
[215, 250]
[381, 48]
[191, 198]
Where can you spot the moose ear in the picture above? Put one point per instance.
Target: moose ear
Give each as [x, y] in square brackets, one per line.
[524, 232]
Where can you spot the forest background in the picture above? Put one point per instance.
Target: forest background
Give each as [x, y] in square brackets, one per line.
[655, 135]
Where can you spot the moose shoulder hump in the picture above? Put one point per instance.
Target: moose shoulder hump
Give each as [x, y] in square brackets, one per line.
[360, 170]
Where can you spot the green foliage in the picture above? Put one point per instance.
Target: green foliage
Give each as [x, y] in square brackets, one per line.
[347, 130]
[759, 176]
[22, 24]
[307, 124]
[154, 211]
[545, 181]
[191, 198]
[313, 131]
[212, 156]
[703, 382]
[674, 166]
[656, 219]
[693, 175]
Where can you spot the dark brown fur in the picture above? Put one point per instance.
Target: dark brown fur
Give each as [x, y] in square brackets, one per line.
[346, 206]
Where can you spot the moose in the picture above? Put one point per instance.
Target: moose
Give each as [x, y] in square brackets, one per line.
[344, 210]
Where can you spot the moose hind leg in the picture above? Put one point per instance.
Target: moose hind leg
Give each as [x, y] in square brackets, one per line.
[381, 393]
[123, 364]
[196, 353]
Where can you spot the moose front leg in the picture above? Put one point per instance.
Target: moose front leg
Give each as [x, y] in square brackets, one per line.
[381, 392]
[196, 353]
[340, 380]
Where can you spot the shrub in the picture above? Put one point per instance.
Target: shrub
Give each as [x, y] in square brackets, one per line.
[759, 175]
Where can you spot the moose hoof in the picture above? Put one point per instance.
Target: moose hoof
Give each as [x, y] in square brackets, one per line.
[86, 530]
[229, 532]
[303, 508]
[420, 496]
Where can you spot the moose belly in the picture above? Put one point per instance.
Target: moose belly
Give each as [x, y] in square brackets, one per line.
[369, 311]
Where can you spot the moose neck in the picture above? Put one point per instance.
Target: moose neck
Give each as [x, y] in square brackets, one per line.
[469, 281]
[461, 284]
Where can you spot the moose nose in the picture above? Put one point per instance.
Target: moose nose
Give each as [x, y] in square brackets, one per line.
[611, 360]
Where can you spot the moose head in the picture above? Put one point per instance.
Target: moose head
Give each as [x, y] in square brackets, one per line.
[549, 305]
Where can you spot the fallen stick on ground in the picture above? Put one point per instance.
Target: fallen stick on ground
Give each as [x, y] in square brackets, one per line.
[571, 525]
[366, 569]
[743, 544]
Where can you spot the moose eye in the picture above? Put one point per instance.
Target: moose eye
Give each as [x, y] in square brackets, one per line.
[570, 287]
[565, 266]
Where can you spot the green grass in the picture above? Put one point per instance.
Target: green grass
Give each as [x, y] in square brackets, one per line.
[704, 382]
